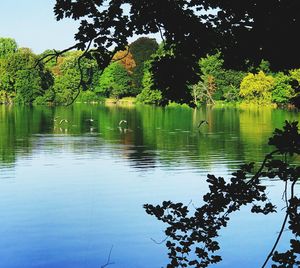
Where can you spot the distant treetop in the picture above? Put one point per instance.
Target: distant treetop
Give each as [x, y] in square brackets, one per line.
[7, 46]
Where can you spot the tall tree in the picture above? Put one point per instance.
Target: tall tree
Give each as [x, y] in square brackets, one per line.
[141, 49]
[69, 78]
[21, 75]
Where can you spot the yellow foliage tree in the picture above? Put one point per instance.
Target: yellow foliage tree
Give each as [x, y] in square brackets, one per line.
[257, 88]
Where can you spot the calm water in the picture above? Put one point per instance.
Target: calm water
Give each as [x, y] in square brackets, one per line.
[71, 191]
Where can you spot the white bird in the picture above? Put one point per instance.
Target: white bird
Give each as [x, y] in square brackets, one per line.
[63, 120]
[122, 122]
[90, 119]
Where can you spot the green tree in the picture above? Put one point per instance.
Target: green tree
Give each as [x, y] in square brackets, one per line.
[264, 66]
[7, 47]
[217, 83]
[22, 77]
[149, 95]
[53, 64]
[295, 75]
[230, 84]
[70, 78]
[27, 85]
[211, 74]
[282, 91]
[257, 88]
[141, 49]
[211, 65]
[202, 91]
[114, 82]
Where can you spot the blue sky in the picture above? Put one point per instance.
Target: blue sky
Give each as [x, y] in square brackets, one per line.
[32, 24]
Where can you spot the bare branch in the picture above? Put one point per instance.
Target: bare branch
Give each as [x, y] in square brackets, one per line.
[159, 243]
[282, 227]
[258, 173]
[123, 57]
[160, 31]
[53, 55]
[108, 259]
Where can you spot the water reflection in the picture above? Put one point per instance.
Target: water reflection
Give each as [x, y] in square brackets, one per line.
[154, 136]
[69, 191]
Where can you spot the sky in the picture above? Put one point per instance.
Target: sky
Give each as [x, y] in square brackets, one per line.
[32, 24]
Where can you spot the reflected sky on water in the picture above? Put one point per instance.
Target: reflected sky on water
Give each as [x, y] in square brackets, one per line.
[71, 190]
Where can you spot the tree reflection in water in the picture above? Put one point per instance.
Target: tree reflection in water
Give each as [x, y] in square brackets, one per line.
[192, 236]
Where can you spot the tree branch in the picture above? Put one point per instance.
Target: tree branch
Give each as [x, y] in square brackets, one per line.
[55, 55]
[81, 82]
[108, 259]
[282, 228]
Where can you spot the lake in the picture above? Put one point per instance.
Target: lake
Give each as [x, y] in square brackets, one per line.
[73, 184]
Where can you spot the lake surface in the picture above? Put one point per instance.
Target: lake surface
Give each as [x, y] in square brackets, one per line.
[71, 191]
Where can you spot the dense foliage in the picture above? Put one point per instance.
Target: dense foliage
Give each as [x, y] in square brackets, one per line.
[21, 78]
[148, 94]
[7, 47]
[244, 31]
[257, 87]
[24, 78]
[59, 80]
[115, 81]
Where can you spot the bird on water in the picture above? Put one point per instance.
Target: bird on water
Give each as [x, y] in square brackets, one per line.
[122, 123]
[202, 122]
[63, 120]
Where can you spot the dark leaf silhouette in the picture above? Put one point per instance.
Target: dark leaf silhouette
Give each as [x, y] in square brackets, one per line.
[244, 31]
[198, 230]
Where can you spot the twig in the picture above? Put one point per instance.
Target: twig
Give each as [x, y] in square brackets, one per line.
[81, 82]
[277, 240]
[108, 259]
[281, 230]
[56, 54]
[159, 243]
[191, 201]
[257, 174]
[161, 34]
[123, 57]
[284, 194]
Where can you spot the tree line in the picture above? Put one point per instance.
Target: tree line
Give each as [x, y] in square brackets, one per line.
[25, 78]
